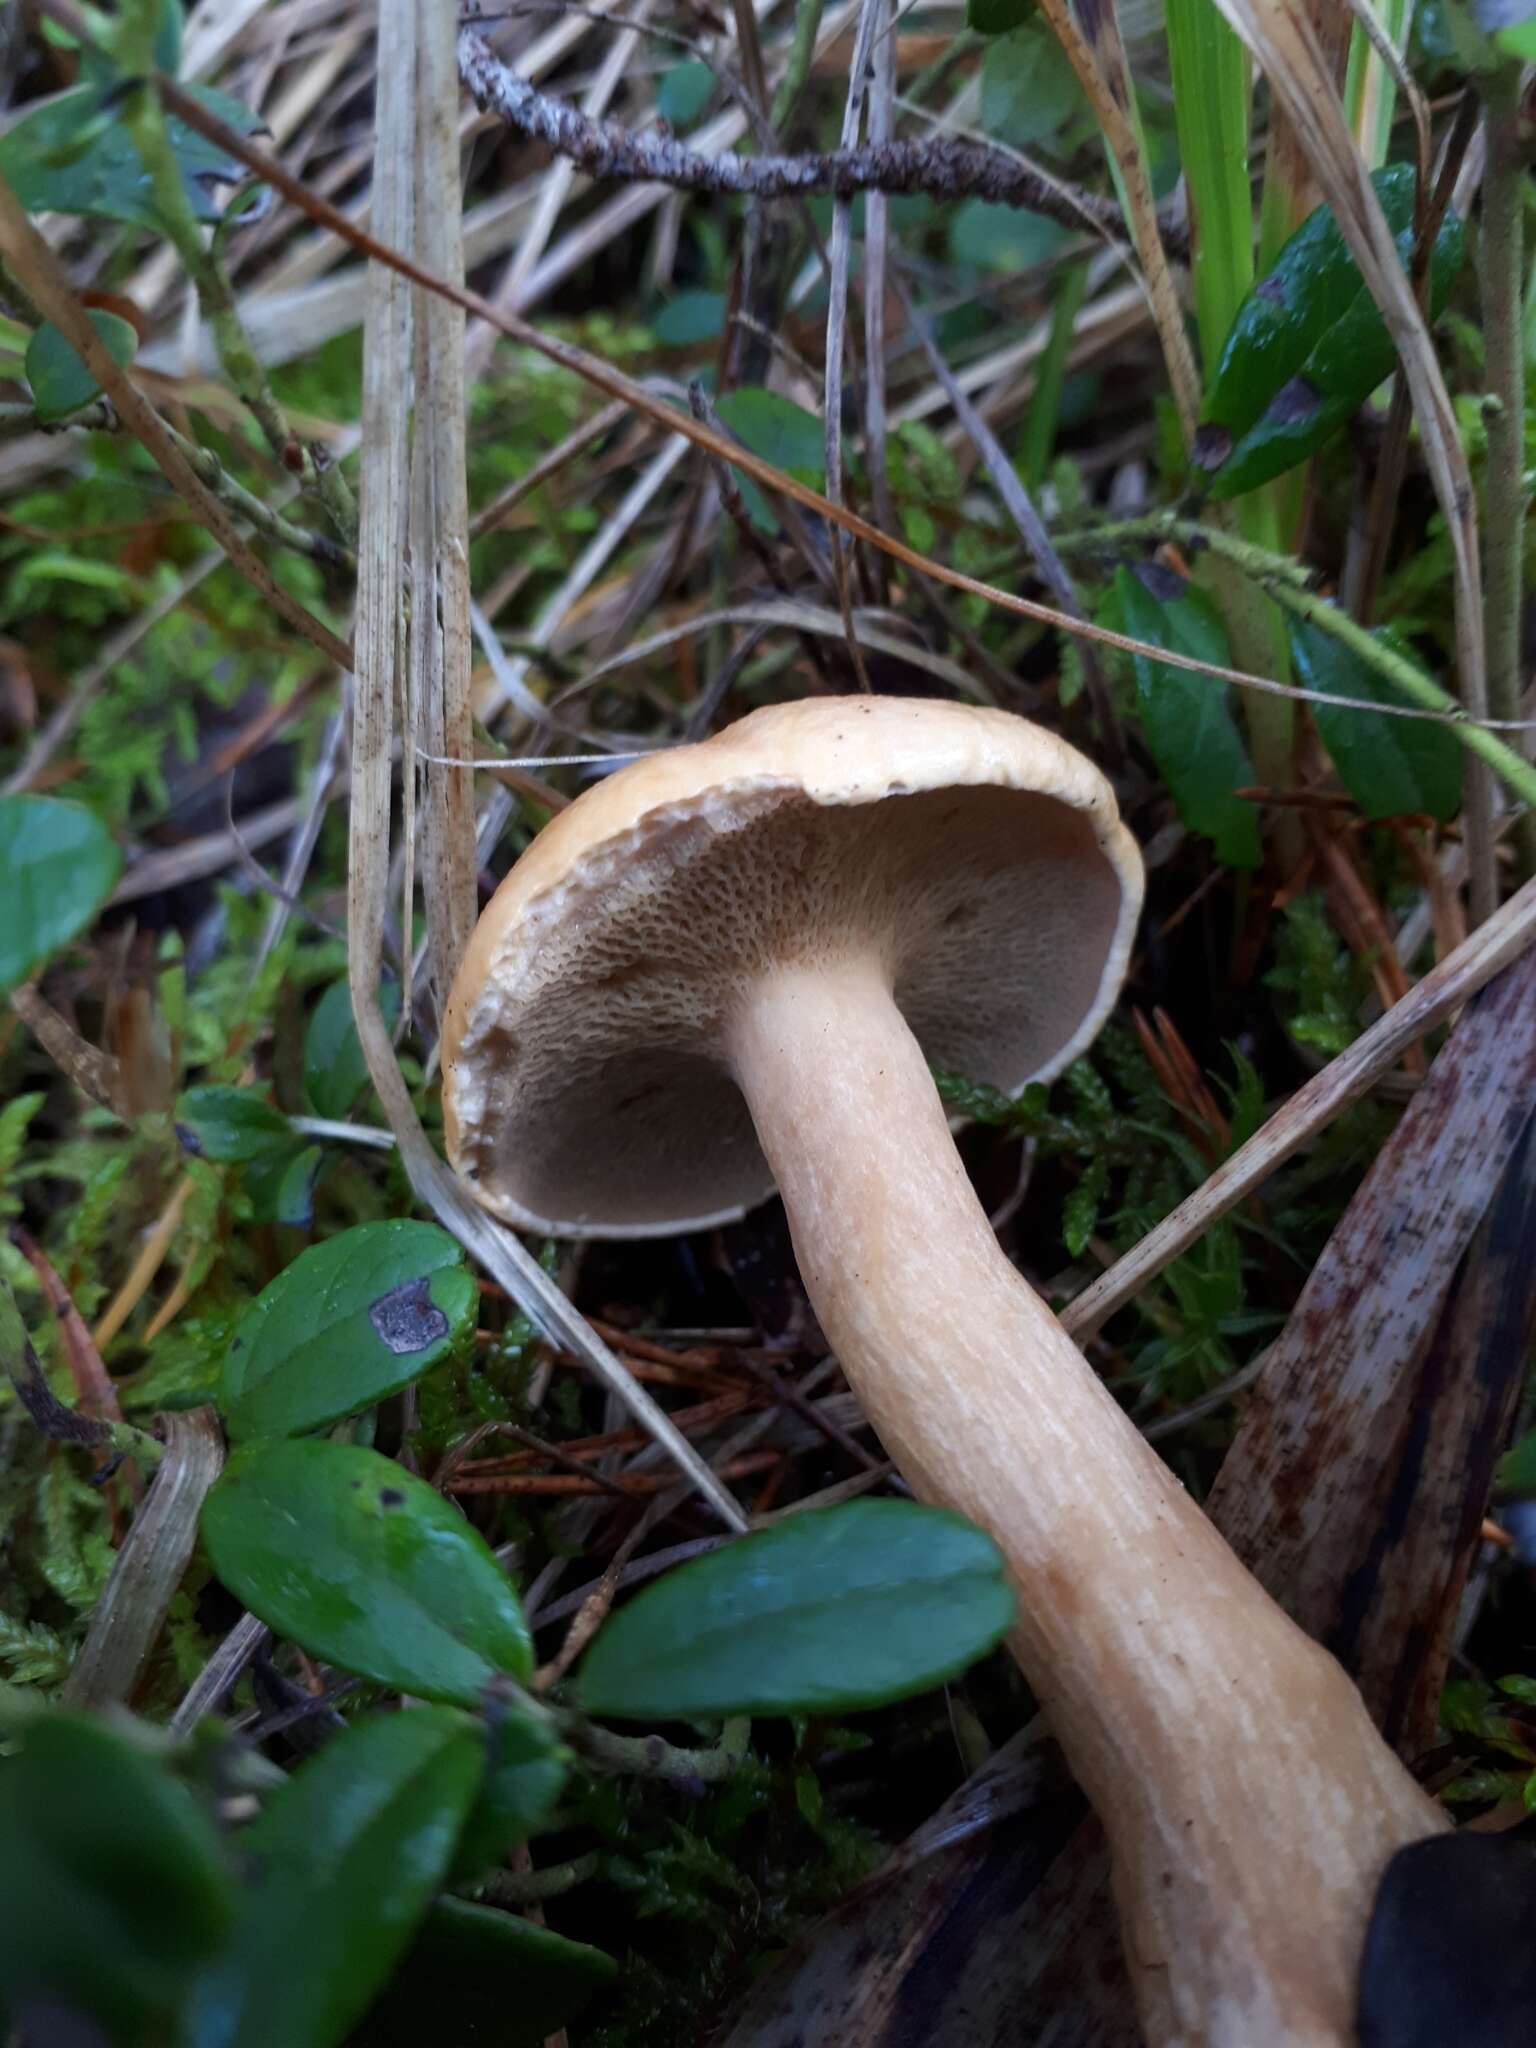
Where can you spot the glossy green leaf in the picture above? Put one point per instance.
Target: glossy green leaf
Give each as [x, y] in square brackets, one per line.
[1390, 766]
[997, 17]
[282, 1185]
[523, 1779]
[113, 1883]
[60, 864]
[362, 1564]
[350, 1322]
[232, 1125]
[343, 1862]
[478, 1976]
[1187, 717]
[1028, 88]
[75, 155]
[826, 1611]
[335, 1071]
[59, 380]
[1308, 346]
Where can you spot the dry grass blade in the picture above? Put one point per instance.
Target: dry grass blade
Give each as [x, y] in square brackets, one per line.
[218, 1676]
[1282, 39]
[149, 1567]
[1109, 99]
[1505, 937]
[380, 628]
[94, 1072]
[440, 636]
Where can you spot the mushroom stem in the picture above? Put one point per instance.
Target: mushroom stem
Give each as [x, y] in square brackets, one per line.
[1250, 1803]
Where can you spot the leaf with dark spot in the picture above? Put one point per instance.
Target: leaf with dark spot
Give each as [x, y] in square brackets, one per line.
[410, 1595]
[1309, 345]
[350, 1322]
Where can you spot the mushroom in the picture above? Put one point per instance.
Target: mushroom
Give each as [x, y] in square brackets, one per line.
[729, 966]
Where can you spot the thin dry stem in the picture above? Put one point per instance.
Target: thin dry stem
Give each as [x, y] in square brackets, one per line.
[1503, 938]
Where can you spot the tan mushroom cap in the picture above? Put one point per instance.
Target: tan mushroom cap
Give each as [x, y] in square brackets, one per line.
[980, 858]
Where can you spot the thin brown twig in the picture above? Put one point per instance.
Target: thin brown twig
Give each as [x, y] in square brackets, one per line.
[94, 1389]
[639, 1485]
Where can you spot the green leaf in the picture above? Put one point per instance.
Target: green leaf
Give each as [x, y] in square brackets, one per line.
[335, 1071]
[60, 865]
[475, 1975]
[1390, 766]
[1028, 88]
[232, 1125]
[774, 427]
[350, 1322]
[1308, 346]
[1003, 237]
[282, 1186]
[782, 432]
[362, 1564]
[59, 380]
[826, 1611]
[344, 1860]
[689, 317]
[997, 17]
[1519, 1688]
[683, 92]
[523, 1779]
[1187, 717]
[113, 1885]
[1209, 71]
[75, 155]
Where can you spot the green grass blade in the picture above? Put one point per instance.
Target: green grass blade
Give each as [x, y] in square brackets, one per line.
[1038, 441]
[1211, 94]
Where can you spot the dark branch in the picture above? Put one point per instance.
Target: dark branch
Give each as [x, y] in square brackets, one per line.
[941, 167]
